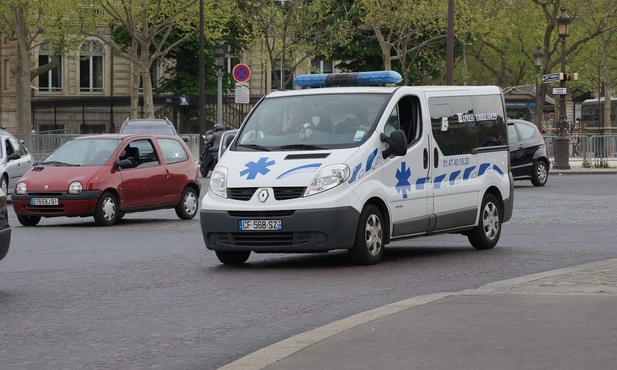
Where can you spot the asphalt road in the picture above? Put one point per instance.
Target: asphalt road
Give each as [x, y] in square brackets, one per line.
[146, 293]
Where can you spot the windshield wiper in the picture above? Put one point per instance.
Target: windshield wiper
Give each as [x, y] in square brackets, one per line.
[255, 146]
[301, 146]
[58, 163]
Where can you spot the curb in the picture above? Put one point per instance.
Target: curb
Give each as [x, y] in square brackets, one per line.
[540, 283]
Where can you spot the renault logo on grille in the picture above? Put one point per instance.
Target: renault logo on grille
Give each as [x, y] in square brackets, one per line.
[263, 195]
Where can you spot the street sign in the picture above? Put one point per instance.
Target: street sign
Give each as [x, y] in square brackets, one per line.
[242, 93]
[560, 91]
[241, 73]
[184, 100]
[551, 78]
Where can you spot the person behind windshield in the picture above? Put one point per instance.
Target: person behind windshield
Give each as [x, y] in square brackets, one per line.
[294, 122]
[371, 114]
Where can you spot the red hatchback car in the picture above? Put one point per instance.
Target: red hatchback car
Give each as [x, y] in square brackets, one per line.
[107, 176]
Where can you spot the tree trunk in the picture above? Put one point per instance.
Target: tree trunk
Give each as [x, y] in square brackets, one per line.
[607, 93]
[148, 98]
[540, 103]
[134, 88]
[21, 72]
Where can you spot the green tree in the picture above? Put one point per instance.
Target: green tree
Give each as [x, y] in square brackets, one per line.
[180, 72]
[29, 23]
[291, 32]
[405, 30]
[149, 24]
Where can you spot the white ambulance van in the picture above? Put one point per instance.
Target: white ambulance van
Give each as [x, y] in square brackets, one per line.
[356, 167]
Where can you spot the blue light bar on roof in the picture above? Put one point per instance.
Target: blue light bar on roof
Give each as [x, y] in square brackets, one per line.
[348, 79]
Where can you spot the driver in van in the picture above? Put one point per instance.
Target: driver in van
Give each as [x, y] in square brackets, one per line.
[295, 121]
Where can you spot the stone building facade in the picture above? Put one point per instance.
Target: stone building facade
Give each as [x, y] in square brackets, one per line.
[94, 72]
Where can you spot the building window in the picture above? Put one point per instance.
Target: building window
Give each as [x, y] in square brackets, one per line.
[91, 66]
[322, 66]
[52, 80]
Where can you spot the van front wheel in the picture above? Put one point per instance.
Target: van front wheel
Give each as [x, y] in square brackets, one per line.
[233, 257]
[368, 245]
[486, 234]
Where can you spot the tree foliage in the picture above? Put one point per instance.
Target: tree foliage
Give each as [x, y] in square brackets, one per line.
[289, 33]
[29, 23]
[149, 24]
[405, 30]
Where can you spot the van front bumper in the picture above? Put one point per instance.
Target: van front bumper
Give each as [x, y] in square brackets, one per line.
[302, 231]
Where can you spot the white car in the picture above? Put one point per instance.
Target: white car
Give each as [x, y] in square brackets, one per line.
[15, 161]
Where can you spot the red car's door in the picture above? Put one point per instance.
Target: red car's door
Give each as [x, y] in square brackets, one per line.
[144, 184]
[179, 166]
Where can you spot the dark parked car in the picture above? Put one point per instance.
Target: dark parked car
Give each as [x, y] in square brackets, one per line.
[107, 176]
[528, 156]
[5, 228]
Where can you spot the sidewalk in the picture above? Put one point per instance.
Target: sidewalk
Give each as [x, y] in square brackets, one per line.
[576, 168]
[561, 319]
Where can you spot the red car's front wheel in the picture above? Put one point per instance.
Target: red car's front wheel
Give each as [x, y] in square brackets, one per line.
[106, 211]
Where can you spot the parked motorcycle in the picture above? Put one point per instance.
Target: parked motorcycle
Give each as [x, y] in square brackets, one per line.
[209, 152]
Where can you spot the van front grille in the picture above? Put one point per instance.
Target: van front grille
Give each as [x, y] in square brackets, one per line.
[280, 193]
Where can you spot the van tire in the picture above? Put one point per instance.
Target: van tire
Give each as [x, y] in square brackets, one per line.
[233, 257]
[368, 247]
[486, 234]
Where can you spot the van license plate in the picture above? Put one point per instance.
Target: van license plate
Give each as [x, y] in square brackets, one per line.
[251, 225]
[44, 201]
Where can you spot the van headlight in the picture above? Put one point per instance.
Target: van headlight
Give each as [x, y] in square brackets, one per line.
[328, 178]
[75, 187]
[218, 181]
[21, 188]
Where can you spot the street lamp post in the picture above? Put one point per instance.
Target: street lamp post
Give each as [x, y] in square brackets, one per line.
[219, 57]
[562, 142]
[538, 56]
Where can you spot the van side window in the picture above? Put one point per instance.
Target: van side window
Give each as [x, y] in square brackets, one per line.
[392, 122]
[452, 134]
[462, 123]
[406, 117]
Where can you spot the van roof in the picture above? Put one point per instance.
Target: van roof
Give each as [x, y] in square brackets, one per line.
[383, 90]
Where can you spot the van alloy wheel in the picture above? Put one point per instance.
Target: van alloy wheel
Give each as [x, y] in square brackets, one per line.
[368, 247]
[486, 234]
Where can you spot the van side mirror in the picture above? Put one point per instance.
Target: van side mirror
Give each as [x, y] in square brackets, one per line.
[397, 143]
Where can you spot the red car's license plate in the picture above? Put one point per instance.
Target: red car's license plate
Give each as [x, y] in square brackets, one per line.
[44, 201]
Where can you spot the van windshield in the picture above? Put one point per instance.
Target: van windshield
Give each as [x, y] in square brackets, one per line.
[312, 122]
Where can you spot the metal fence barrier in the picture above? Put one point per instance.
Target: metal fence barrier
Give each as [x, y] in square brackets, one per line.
[40, 145]
[594, 149]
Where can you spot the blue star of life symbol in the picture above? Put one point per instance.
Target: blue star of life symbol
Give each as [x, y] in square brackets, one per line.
[403, 175]
[255, 168]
